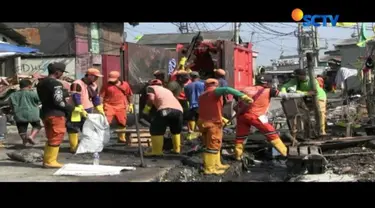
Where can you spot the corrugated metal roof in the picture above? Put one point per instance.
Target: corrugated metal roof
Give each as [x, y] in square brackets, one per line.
[345, 42]
[175, 38]
[11, 33]
[328, 57]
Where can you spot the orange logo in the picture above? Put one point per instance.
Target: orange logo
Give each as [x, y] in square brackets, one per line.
[297, 14]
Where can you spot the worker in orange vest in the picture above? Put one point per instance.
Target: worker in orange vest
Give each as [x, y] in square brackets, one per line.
[320, 81]
[117, 100]
[255, 115]
[210, 123]
[85, 96]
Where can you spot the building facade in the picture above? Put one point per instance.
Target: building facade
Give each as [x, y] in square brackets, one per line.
[81, 43]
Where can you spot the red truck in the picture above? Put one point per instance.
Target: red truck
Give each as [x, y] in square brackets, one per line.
[139, 61]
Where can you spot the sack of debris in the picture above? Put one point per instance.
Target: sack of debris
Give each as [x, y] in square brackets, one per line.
[95, 134]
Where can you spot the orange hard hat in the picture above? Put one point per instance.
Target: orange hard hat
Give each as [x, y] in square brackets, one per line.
[211, 82]
[113, 76]
[219, 72]
[95, 72]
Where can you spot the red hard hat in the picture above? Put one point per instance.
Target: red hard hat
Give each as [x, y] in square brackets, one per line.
[156, 82]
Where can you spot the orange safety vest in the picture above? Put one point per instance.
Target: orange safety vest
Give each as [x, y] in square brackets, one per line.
[261, 105]
[210, 106]
[85, 98]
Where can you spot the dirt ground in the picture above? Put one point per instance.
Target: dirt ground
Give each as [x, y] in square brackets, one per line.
[116, 155]
[172, 168]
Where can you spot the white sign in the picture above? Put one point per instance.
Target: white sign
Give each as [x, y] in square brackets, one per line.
[30, 66]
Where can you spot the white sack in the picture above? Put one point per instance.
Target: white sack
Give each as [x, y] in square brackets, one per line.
[95, 134]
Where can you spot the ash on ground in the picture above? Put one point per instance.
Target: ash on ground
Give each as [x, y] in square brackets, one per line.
[361, 166]
[268, 171]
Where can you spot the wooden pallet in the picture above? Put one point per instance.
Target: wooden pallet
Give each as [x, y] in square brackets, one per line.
[132, 139]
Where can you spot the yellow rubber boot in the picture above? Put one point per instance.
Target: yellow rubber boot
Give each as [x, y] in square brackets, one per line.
[191, 125]
[50, 157]
[219, 165]
[280, 146]
[238, 151]
[209, 163]
[176, 141]
[122, 136]
[73, 141]
[157, 146]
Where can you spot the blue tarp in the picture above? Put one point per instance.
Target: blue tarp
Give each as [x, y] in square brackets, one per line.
[5, 47]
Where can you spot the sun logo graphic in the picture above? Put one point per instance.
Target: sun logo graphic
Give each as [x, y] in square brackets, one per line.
[297, 15]
[316, 20]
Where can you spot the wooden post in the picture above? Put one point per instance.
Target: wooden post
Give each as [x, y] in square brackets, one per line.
[367, 88]
[310, 66]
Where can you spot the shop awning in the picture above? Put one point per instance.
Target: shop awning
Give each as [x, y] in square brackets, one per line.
[6, 47]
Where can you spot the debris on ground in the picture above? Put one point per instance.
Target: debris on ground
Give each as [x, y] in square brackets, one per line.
[90, 170]
[326, 177]
[26, 155]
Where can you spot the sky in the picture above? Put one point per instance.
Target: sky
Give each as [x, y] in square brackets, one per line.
[269, 43]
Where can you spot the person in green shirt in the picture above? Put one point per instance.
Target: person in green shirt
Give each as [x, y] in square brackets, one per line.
[25, 103]
[301, 84]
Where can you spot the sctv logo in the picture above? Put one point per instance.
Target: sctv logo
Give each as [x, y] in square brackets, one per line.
[316, 20]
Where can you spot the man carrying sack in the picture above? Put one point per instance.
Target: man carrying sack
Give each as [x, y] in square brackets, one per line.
[85, 97]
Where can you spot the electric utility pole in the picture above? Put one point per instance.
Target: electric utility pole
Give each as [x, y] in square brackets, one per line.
[236, 28]
[300, 45]
[314, 33]
[183, 27]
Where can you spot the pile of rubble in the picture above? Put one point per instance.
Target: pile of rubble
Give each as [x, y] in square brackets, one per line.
[8, 85]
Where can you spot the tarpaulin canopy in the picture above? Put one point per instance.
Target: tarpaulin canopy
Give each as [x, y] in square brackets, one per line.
[6, 47]
[5, 54]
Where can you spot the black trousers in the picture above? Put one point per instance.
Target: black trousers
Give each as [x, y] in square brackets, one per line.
[164, 118]
[22, 126]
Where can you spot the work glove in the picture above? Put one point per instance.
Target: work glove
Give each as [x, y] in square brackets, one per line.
[247, 99]
[224, 121]
[146, 110]
[100, 109]
[78, 111]
[131, 108]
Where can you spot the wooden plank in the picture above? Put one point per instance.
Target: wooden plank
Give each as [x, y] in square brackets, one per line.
[293, 151]
[142, 144]
[135, 140]
[303, 151]
[314, 150]
[142, 135]
[142, 130]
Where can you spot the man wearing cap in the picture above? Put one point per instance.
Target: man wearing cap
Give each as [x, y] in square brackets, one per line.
[168, 114]
[85, 97]
[255, 115]
[53, 112]
[210, 123]
[192, 93]
[302, 85]
[117, 99]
